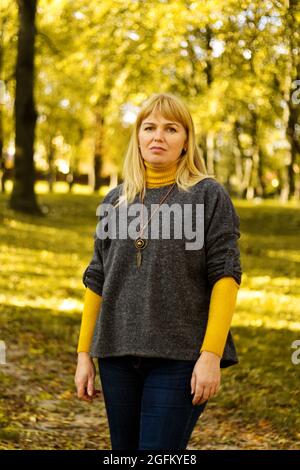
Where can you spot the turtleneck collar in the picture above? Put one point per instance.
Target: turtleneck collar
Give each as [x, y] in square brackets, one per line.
[160, 176]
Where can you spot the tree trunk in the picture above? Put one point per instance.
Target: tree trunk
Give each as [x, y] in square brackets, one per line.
[98, 156]
[2, 162]
[51, 164]
[292, 138]
[23, 196]
[238, 157]
[256, 186]
[2, 91]
[293, 112]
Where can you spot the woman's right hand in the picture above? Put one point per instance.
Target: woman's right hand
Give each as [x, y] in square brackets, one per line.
[85, 377]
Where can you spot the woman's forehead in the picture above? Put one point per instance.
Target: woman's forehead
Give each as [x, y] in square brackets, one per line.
[159, 117]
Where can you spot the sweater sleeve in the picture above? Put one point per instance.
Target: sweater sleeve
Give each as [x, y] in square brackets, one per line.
[91, 308]
[221, 309]
[221, 236]
[93, 276]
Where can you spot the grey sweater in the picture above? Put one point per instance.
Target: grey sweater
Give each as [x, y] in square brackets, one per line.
[161, 310]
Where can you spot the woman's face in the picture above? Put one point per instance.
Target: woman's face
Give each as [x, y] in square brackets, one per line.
[156, 131]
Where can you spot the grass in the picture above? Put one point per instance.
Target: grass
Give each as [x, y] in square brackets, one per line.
[41, 293]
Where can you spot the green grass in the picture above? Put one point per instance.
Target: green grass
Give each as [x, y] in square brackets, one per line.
[41, 292]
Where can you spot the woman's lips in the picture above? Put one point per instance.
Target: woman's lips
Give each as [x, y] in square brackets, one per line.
[156, 149]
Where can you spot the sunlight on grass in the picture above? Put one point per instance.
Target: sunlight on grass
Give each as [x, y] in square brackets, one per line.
[41, 301]
[57, 305]
[61, 187]
[267, 203]
[285, 254]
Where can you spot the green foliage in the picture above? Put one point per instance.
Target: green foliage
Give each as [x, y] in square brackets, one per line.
[234, 64]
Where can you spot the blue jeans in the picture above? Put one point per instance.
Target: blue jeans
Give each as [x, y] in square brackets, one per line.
[148, 402]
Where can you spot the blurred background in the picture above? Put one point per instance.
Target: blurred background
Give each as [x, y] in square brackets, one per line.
[73, 75]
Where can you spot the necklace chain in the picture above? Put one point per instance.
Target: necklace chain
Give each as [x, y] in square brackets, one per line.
[160, 202]
[141, 243]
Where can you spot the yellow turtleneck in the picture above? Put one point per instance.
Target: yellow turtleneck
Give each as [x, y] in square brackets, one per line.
[223, 295]
[162, 175]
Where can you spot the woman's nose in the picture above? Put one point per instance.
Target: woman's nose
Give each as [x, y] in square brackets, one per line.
[158, 135]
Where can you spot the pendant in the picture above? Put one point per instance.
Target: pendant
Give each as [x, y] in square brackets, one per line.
[138, 259]
[140, 244]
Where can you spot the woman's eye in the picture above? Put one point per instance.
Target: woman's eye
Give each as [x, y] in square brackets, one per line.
[170, 128]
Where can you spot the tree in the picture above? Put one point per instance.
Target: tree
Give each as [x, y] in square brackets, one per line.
[23, 196]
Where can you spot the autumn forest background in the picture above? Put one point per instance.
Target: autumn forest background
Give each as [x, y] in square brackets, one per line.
[72, 77]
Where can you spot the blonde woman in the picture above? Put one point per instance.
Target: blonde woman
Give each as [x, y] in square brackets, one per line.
[157, 310]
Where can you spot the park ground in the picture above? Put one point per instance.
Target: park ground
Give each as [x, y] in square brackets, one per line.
[41, 298]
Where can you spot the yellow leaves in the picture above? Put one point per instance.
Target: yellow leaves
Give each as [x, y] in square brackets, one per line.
[35, 351]
[291, 255]
[67, 395]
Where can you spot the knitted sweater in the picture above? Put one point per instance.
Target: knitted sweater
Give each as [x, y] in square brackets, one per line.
[162, 309]
[221, 309]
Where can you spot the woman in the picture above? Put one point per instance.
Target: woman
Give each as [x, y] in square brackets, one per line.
[165, 304]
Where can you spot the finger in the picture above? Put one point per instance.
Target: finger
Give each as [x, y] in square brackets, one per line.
[95, 394]
[193, 383]
[90, 386]
[203, 396]
[214, 389]
[198, 393]
[87, 397]
[80, 390]
[208, 393]
[90, 399]
[84, 397]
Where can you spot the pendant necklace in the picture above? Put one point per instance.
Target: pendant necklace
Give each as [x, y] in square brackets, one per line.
[140, 242]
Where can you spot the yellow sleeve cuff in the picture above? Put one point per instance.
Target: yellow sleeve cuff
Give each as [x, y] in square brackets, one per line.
[222, 304]
[91, 308]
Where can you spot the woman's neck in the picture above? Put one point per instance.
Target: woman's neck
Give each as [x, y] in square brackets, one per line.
[160, 175]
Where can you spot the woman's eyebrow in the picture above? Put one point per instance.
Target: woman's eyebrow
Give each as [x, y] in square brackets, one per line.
[166, 124]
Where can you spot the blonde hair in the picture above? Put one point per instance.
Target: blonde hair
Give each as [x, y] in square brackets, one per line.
[191, 168]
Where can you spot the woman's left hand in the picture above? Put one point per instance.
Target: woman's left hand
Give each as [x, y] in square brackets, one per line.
[206, 377]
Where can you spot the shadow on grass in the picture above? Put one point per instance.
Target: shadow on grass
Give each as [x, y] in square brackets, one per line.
[41, 355]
